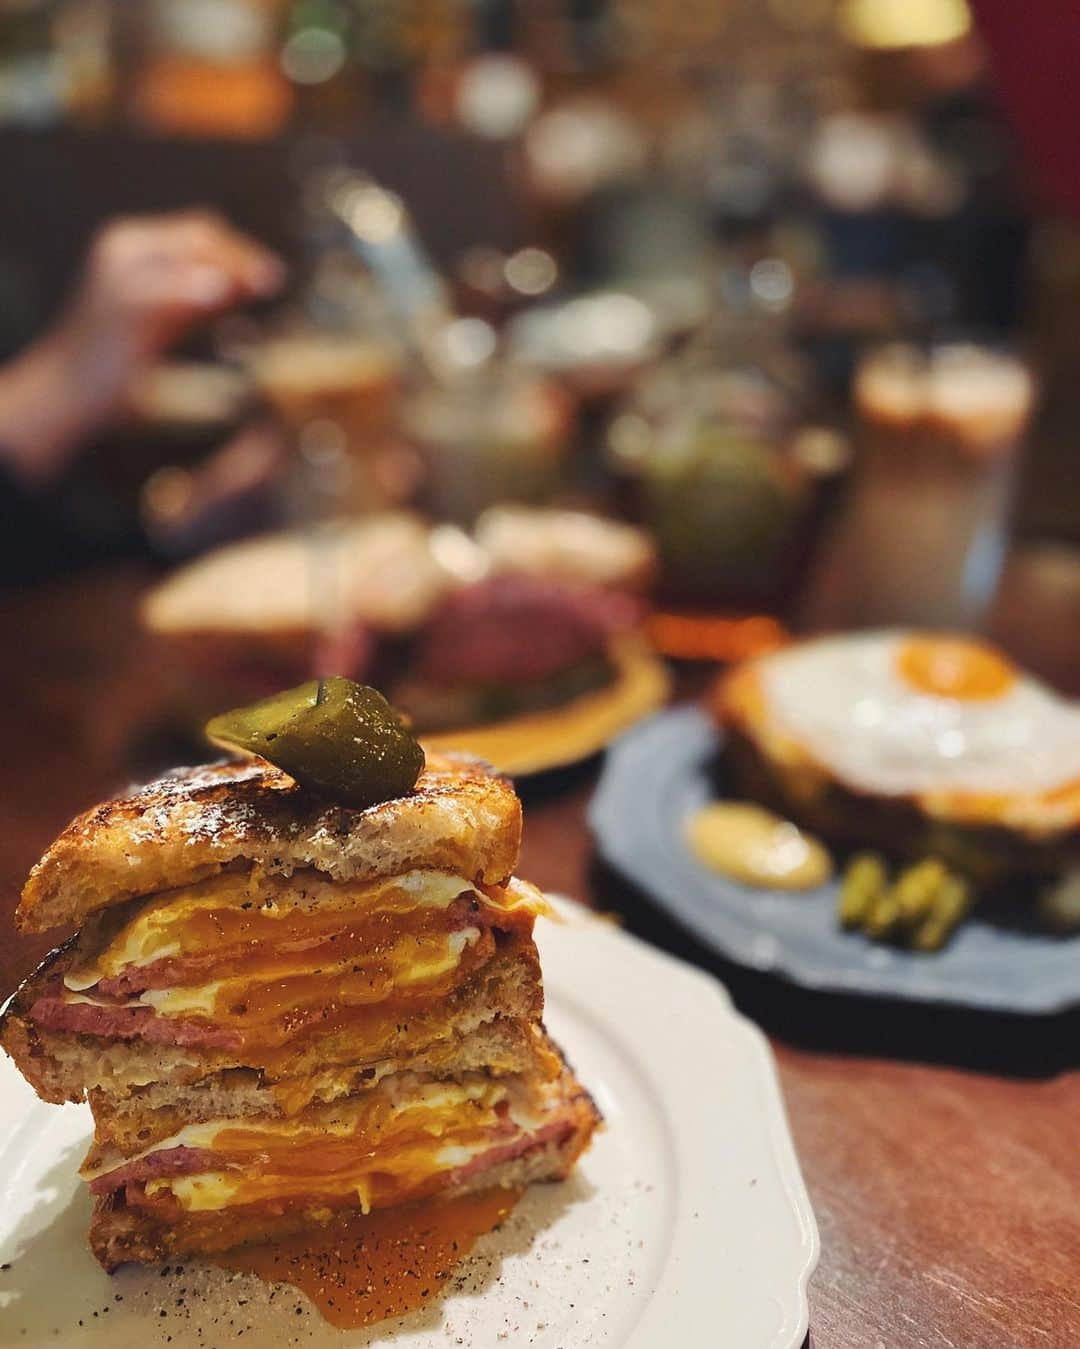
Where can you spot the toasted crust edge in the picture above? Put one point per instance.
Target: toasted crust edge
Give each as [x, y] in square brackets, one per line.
[192, 823]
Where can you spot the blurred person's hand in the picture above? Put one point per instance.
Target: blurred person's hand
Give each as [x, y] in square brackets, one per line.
[146, 282]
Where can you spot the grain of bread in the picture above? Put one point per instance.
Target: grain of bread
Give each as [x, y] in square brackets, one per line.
[194, 822]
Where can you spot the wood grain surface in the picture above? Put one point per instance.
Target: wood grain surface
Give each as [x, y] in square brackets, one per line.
[941, 1148]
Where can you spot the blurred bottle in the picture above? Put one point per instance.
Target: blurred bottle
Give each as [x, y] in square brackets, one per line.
[318, 58]
[345, 381]
[727, 471]
[56, 61]
[31, 73]
[725, 466]
[84, 41]
[210, 68]
[371, 306]
[346, 58]
[486, 430]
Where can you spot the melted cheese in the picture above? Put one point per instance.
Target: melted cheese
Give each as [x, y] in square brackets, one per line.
[364, 1115]
[385, 1146]
[274, 959]
[519, 896]
[182, 922]
[394, 1175]
[409, 962]
[200, 1001]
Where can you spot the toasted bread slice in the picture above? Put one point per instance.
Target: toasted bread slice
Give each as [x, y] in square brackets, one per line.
[121, 1233]
[64, 1066]
[192, 823]
[390, 578]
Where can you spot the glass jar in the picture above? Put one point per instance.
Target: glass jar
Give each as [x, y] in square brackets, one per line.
[334, 377]
[497, 434]
[720, 463]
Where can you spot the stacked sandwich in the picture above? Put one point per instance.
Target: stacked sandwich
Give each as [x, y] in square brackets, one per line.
[282, 1009]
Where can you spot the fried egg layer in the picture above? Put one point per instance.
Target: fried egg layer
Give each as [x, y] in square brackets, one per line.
[248, 912]
[864, 707]
[385, 1144]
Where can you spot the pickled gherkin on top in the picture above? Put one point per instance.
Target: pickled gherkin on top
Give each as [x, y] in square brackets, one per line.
[341, 740]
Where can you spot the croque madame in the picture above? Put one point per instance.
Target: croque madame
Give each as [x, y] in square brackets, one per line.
[281, 1009]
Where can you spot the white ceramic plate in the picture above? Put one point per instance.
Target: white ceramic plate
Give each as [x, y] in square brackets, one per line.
[686, 1226]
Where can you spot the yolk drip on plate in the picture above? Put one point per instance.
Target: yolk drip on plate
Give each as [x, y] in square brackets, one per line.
[365, 1268]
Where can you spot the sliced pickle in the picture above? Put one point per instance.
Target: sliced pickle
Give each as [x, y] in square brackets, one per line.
[339, 739]
[865, 880]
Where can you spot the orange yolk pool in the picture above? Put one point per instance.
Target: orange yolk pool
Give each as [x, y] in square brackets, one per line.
[955, 667]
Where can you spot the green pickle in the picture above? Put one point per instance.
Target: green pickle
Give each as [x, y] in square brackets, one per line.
[931, 934]
[918, 889]
[341, 740]
[884, 916]
[954, 899]
[951, 906]
[864, 881]
[923, 906]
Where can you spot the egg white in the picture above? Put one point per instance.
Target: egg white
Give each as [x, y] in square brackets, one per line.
[844, 701]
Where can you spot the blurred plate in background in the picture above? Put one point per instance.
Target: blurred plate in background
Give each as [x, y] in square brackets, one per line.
[565, 735]
[660, 773]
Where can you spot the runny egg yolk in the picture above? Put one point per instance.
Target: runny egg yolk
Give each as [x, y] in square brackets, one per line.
[955, 667]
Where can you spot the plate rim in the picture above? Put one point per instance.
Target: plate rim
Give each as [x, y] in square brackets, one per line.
[602, 817]
[641, 686]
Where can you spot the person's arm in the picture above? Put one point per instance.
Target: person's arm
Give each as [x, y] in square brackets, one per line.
[50, 401]
[146, 282]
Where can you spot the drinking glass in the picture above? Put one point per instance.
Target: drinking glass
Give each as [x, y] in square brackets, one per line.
[940, 429]
[497, 434]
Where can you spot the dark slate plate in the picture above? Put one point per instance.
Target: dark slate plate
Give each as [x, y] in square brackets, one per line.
[659, 773]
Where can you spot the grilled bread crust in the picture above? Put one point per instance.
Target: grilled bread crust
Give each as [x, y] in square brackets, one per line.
[119, 1234]
[64, 1065]
[194, 822]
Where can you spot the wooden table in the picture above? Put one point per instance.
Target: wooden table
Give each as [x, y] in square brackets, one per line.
[941, 1149]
